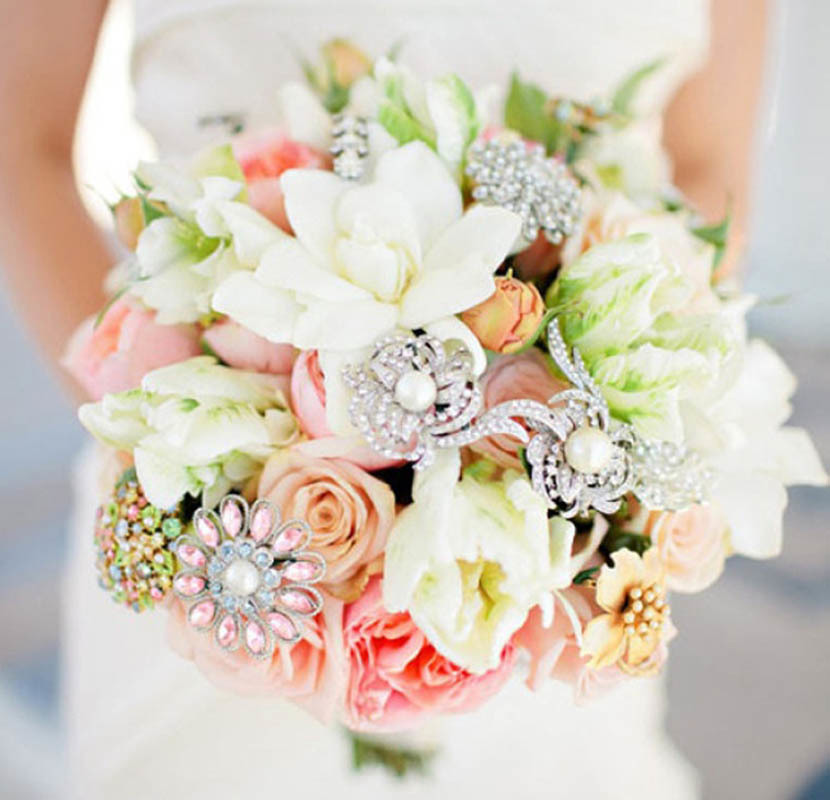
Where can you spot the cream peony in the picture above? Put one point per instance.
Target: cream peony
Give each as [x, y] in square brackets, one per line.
[468, 560]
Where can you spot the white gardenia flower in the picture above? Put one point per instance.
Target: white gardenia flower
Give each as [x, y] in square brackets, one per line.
[753, 454]
[395, 252]
[204, 234]
[194, 427]
[469, 559]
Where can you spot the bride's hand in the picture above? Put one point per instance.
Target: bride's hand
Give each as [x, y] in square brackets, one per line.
[52, 254]
[710, 124]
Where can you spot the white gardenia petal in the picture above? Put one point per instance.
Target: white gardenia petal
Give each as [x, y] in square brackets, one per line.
[252, 233]
[170, 185]
[343, 326]
[163, 480]
[216, 189]
[418, 174]
[450, 329]
[303, 116]
[311, 198]
[288, 265]
[485, 231]
[797, 460]
[268, 312]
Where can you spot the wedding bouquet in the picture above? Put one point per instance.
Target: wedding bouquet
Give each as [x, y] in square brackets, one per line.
[415, 392]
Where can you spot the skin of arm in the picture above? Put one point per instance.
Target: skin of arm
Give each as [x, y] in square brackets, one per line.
[53, 256]
[710, 124]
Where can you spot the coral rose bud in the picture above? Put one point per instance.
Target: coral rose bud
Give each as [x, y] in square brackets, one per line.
[507, 319]
[346, 63]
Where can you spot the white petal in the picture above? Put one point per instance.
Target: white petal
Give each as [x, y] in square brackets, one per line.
[164, 481]
[269, 312]
[252, 233]
[486, 231]
[337, 393]
[452, 328]
[311, 198]
[343, 326]
[422, 177]
[288, 265]
[797, 460]
[303, 116]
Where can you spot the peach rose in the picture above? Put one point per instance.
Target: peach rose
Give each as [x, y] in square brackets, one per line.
[308, 402]
[349, 511]
[312, 672]
[692, 546]
[264, 156]
[127, 343]
[240, 348]
[506, 320]
[522, 376]
[396, 677]
[539, 259]
[554, 652]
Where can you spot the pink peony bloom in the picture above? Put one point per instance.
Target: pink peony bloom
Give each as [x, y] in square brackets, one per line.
[123, 347]
[522, 376]
[396, 677]
[555, 652]
[308, 402]
[350, 514]
[264, 156]
[242, 349]
[691, 544]
[311, 672]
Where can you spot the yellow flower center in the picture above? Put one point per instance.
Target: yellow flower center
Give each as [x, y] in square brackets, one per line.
[645, 611]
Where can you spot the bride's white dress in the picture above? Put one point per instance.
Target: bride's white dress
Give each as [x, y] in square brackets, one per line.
[142, 723]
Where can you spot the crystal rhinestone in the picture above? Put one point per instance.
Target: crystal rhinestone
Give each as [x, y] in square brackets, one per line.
[271, 578]
[245, 549]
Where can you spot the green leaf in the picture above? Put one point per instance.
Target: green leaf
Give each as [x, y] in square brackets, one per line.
[623, 97]
[397, 760]
[526, 111]
[336, 97]
[717, 235]
[616, 539]
[402, 125]
[585, 575]
[149, 211]
[107, 306]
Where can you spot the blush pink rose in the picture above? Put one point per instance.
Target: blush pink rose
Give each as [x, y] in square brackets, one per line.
[350, 514]
[115, 354]
[242, 349]
[308, 402]
[264, 156]
[692, 546]
[397, 678]
[554, 651]
[311, 672]
[526, 376]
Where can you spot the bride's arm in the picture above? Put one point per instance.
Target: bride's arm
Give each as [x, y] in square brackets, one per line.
[710, 125]
[51, 253]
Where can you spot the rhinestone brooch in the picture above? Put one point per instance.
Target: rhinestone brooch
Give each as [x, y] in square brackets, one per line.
[521, 178]
[413, 396]
[247, 578]
[350, 146]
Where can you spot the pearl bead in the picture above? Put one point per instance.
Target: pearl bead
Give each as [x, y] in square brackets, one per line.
[415, 391]
[588, 450]
[241, 577]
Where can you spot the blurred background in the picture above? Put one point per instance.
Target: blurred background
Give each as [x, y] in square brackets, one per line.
[748, 681]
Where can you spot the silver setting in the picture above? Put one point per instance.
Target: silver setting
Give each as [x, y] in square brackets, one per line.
[350, 147]
[271, 555]
[519, 177]
[413, 434]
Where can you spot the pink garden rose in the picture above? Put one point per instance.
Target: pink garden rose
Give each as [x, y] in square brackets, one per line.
[308, 402]
[264, 156]
[350, 514]
[692, 546]
[525, 375]
[311, 672]
[123, 347]
[242, 349]
[555, 653]
[396, 677]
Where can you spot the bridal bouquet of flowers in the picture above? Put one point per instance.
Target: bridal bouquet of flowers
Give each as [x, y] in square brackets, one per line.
[416, 391]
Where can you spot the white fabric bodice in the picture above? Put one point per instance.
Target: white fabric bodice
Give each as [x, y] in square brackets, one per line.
[204, 58]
